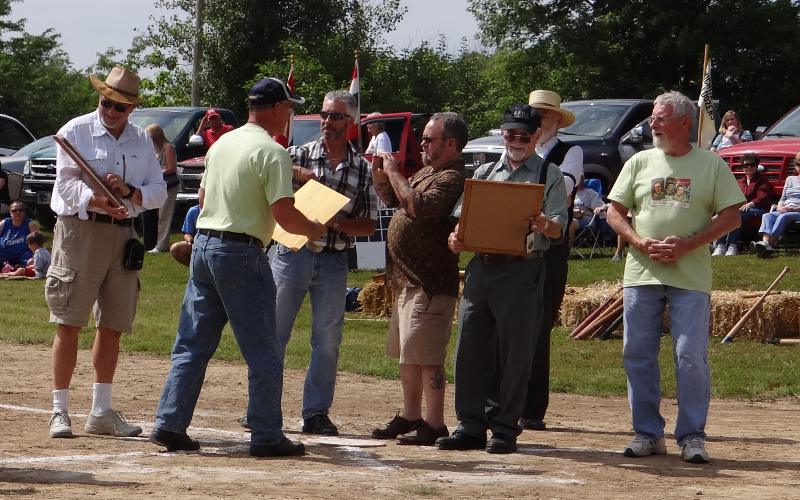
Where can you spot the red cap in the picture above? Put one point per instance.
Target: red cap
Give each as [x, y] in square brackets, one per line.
[211, 113]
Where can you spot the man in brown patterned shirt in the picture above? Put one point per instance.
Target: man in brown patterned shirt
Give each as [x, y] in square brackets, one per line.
[423, 275]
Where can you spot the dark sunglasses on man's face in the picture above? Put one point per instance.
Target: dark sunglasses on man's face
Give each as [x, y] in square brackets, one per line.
[333, 116]
[17, 210]
[525, 139]
[750, 165]
[117, 106]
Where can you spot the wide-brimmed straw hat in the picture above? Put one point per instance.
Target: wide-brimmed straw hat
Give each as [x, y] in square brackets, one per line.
[121, 85]
[547, 99]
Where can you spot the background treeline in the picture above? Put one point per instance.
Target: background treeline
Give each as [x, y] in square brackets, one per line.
[582, 49]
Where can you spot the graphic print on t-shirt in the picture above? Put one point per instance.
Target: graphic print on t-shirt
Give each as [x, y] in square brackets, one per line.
[671, 191]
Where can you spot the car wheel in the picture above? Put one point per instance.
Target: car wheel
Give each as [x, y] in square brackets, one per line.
[45, 216]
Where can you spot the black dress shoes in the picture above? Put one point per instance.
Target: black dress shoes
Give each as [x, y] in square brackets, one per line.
[285, 448]
[396, 426]
[423, 435]
[501, 444]
[319, 424]
[173, 441]
[460, 441]
[532, 424]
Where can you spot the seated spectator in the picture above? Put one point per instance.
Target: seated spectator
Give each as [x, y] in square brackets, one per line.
[182, 250]
[37, 265]
[212, 127]
[758, 195]
[730, 132]
[588, 202]
[773, 224]
[13, 233]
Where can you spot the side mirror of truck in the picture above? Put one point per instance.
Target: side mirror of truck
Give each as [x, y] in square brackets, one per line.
[196, 141]
[759, 132]
[634, 136]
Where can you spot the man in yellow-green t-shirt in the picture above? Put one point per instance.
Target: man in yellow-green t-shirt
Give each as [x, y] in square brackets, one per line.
[669, 264]
[247, 188]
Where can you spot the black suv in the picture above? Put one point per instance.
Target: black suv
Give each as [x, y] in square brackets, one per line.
[179, 123]
[599, 126]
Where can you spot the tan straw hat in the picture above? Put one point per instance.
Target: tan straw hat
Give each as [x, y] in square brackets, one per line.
[121, 85]
[547, 99]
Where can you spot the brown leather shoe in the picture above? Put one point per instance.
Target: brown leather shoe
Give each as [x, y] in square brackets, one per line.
[396, 426]
[423, 435]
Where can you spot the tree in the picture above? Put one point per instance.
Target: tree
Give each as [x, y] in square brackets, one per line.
[638, 48]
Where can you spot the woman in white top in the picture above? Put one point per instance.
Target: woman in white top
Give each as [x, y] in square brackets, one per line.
[165, 152]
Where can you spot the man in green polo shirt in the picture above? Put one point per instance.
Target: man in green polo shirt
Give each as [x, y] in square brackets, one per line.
[248, 188]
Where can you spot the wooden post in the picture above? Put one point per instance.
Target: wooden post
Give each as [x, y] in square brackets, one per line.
[738, 326]
[706, 57]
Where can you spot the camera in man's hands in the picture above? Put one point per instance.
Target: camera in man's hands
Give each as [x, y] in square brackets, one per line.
[377, 162]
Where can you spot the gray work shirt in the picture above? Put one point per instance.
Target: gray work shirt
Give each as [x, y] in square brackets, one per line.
[554, 204]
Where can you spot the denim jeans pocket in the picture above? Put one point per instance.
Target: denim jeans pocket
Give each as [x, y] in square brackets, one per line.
[231, 269]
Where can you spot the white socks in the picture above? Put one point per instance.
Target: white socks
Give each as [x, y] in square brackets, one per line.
[60, 400]
[101, 398]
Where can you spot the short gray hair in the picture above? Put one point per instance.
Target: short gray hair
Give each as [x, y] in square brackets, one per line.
[680, 104]
[346, 97]
[453, 126]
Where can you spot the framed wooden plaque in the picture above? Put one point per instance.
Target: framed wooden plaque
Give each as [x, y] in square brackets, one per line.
[494, 215]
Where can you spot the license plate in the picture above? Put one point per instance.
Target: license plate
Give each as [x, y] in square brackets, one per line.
[42, 197]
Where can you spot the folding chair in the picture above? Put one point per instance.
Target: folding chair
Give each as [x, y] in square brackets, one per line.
[587, 237]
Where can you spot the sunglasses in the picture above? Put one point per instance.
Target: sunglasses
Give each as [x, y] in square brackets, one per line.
[525, 139]
[750, 165]
[116, 105]
[17, 210]
[324, 115]
[429, 139]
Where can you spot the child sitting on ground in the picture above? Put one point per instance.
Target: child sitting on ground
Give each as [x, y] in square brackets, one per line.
[39, 263]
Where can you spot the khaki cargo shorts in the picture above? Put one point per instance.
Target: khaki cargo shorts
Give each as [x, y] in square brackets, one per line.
[86, 274]
[419, 329]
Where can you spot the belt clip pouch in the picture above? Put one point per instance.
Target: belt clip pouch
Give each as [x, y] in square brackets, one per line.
[529, 242]
[133, 257]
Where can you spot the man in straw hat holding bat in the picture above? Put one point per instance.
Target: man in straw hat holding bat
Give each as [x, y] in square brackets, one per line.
[90, 237]
[669, 263]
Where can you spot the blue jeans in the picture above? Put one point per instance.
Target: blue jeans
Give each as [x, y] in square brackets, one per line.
[689, 313]
[775, 223]
[228, 281]
[734, 236]
[324, 276]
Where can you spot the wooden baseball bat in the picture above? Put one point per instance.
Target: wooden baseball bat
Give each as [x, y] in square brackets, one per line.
[738, 326]
[609, 314]
[90, 176]
[595, 313]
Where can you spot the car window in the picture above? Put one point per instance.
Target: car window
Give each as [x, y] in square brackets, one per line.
[13, 135]
[304, 131]
[35, 146]
[788, 126]
[173, 123]
[594, 120]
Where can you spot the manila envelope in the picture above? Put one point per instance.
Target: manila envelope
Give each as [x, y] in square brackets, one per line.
[315, 201]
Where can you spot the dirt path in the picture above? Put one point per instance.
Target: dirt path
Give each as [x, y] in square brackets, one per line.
[755, 447]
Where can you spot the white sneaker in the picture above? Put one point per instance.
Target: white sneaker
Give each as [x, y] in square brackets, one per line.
[719, 250]
[113, 423]
[642, 446]
[693, 450]
[733, 249]
[60, 425]
[616, 258]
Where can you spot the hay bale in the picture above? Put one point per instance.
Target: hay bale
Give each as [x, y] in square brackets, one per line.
[376, 298]
[778, 316]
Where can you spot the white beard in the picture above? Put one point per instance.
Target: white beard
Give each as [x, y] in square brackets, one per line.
[516, 155]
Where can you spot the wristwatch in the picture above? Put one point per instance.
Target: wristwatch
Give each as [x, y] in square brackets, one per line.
[131, 192]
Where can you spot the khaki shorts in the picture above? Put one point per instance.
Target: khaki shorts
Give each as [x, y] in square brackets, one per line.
[86, 273]
[420, 327]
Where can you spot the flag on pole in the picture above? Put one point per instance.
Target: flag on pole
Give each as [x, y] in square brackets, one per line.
[290, 86]
[706, 126]
[355, 91]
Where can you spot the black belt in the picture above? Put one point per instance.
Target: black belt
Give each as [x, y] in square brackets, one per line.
[333, 250]
[496, 258]
[110, 220]
[227, 235]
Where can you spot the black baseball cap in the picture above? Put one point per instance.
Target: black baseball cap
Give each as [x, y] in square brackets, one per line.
[522, 117]
[270, 90]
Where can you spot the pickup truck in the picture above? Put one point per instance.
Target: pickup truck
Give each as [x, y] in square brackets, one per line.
[179, 123]
[13, 135]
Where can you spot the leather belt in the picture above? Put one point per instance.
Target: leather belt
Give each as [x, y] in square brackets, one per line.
[98, 217]
[227, 235]
[497, 258]
[333, 250]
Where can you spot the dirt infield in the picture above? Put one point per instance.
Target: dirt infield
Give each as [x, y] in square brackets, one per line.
[755, 447]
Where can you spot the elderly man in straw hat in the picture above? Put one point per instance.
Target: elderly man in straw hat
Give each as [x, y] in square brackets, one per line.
[570, 160]
[90, 237]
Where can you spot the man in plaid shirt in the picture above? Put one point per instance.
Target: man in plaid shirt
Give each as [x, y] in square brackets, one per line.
[320, 268]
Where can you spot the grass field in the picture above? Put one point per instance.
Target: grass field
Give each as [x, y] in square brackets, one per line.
[744, 369]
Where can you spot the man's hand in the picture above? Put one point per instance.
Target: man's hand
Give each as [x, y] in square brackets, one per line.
[102, 202]
[317, 230]
[390, 165]
[746, 206]
[379, 175]
[599, 209]
[116, 183]
[644, 245]
[669, 250]
[303, 174]
[453, 243]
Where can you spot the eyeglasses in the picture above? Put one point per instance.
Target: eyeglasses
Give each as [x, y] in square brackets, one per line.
[750, 165]
[659, 120]
[324, 115]
[117, 105]
[17, 210]
[429, 139]
[525, 139]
